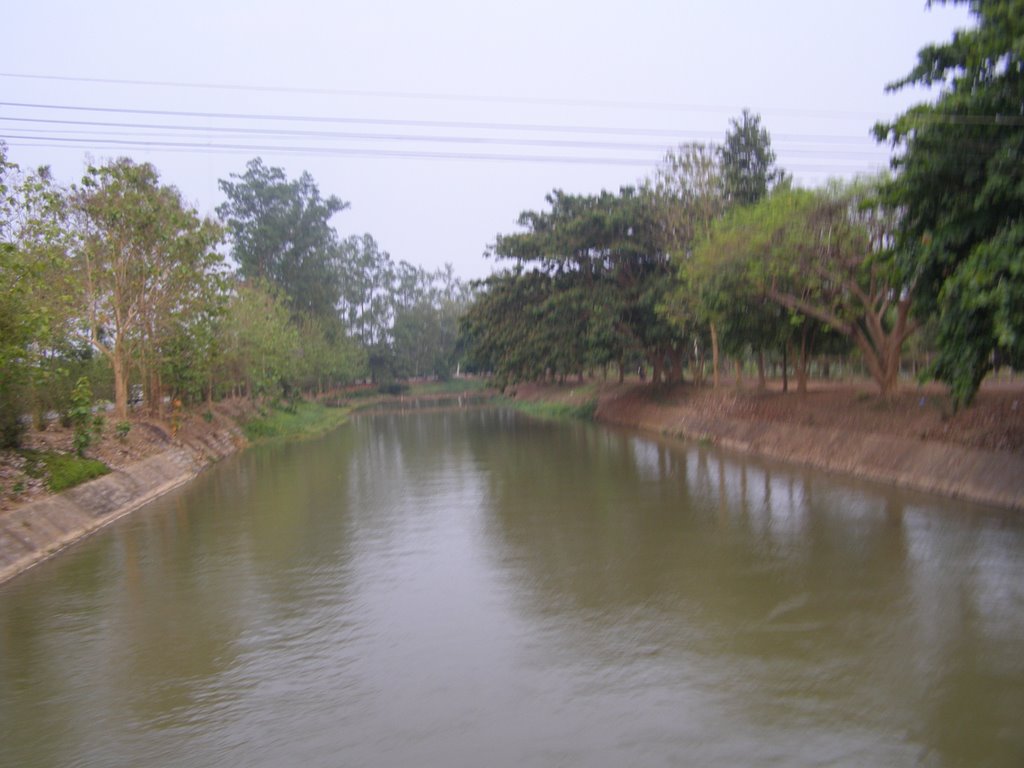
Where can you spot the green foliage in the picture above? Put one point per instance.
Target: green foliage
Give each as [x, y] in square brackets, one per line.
[146, 266]
[589, 276]
[121, 429]
[960, 181]
[81, 416]
[816, 255]
[61, 471]
[30, 236]
[748, 161]
[257, 342]
[281, 233]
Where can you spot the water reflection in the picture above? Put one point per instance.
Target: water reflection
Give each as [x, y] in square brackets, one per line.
[432, 587]
[799, 598]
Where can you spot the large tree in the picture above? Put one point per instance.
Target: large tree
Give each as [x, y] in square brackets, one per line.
[143, 263]
[607, 259]
[823, 254]
[280, 231]
[691, 193]
[960, 183]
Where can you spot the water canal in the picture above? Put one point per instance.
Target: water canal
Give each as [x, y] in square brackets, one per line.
[473, 587]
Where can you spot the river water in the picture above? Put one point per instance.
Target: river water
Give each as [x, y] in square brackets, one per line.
[476, 588]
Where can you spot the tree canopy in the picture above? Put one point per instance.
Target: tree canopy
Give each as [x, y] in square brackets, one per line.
[748, 160]
[280, 231]
[960, 185]
[141, 266]
[597, 268]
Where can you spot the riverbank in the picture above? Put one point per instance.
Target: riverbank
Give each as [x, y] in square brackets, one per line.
[153, 458]
[913, 440]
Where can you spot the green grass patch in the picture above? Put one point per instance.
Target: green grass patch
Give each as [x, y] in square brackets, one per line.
[61, 471]
[303, 419]
[450, 387]
[551, 410]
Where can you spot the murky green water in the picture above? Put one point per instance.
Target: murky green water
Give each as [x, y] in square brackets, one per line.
[473, 588]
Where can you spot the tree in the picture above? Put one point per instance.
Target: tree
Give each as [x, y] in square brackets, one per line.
[748, 161]
[960, 182]
[257, 342]
[143, 259]
[32, 220]
[823, 254]
[608, 268]
[691, 194]
[280, 231]
[328, 357]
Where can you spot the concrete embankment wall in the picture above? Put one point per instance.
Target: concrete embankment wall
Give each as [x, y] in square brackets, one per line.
[986, 477]
[36, 531]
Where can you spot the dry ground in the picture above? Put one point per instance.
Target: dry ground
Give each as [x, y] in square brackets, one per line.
[994, 422]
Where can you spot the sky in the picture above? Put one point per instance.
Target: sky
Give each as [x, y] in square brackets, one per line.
[439, 122]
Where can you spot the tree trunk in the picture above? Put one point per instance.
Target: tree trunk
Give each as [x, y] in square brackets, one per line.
[803, 362]
[761, 382]
[676, 356]
[785, 367]
[156, 394]
[714, 357]
[739, 373]
[117, 363]
[657, 365]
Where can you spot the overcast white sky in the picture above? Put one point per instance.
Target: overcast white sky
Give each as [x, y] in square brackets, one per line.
[597, 89]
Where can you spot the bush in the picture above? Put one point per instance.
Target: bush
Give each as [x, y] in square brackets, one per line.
[12, 426]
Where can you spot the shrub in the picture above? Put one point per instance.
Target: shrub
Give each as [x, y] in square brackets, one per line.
[81, 416]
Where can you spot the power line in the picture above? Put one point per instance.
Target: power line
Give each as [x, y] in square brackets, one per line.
[343, 151]
[823, 168]
[452, 97]
[405, 122]
[996, 119]
[162, 128]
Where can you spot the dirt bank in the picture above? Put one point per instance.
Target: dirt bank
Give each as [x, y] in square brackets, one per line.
[152, 459]
[913, 440]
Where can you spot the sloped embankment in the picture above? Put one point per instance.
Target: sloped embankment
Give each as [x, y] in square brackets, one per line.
[959, 471]
[37, 530]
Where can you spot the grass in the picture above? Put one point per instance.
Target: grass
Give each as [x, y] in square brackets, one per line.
[450, 387]
[303, 419]
[61, 471]
[554, 410]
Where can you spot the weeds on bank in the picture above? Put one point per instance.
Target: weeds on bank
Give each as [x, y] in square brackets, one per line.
[547, 410]
[302, 419]
[61, 471]
[450, 387]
